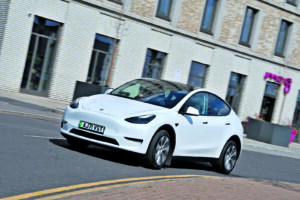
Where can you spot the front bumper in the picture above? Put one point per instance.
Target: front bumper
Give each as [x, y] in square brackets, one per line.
[118, 132]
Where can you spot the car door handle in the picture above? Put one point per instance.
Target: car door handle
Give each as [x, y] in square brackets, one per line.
[205, 122]
[227, 124]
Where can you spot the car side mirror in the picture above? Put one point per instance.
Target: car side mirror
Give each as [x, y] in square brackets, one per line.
[108, 91]
[191, 111]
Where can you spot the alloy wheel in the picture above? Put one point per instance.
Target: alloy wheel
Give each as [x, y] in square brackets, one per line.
[230, 157]
[162, 150]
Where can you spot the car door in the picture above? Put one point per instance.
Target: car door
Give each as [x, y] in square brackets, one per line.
[199, 134]
[219, 126]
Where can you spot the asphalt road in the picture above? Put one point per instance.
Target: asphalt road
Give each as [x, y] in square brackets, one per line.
[34, 156]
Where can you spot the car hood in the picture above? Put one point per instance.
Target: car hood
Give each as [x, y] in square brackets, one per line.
[118, 106]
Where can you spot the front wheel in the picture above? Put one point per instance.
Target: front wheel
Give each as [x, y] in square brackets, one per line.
[228, 158]
[158, 150]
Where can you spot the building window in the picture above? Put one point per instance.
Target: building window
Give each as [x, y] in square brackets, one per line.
[292, 2]
[296, 120]
[197, 74]
[40, 56]
[164, 9]
[234, 91]
[101, 60]
[209, 16]
[282, 38]
[269, 99]
[248, 26]
[117, 1]
[154, 63]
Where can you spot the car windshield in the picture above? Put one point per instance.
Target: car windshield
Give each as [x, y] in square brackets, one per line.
[158, 92]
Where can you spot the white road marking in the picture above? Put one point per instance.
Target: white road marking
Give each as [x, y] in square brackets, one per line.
[45, 137]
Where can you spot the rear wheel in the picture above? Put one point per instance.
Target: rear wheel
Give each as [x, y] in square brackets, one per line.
[77, 143]
[159, 150]
[228, 158]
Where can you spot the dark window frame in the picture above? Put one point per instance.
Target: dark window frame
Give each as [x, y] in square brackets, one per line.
[162, 16]
[198, 76]
[94, 62]
[41, 33]
[149, 64]
[284, 45]
[293, 3]
[247, 43]
[120, 2]
[241, 82]
[271, 95]
[213, 15]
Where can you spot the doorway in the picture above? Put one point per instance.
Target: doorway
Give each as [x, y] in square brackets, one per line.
[269, 100]
[40, 57]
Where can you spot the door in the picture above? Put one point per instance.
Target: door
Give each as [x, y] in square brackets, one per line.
[269, 100]
[200, 135]
[40, 56]
[267, 108]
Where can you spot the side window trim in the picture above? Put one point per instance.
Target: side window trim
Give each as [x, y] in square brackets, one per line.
[182, 107]
[209, 93]
[229, 107]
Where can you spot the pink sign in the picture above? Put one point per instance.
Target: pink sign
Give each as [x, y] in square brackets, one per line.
[286, 81]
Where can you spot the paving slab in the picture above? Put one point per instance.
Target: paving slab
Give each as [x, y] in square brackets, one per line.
[199, 189]
[35, 100]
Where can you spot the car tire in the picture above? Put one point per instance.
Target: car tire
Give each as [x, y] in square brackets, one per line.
[159, 150]
[227, 159]
[77, 143]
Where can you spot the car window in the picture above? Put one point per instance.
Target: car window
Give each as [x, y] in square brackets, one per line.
[198, 101]
[157, 92]
[132, 91]
[217, 107]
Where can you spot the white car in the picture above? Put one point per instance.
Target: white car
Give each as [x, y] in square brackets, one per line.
[160, 119]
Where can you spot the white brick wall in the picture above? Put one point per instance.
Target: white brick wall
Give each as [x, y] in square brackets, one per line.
[15, 44]
[4, 5]
[73, 54]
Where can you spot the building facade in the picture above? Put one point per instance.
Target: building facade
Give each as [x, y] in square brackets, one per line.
[247, 51]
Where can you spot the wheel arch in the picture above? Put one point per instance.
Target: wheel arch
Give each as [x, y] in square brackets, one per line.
[237, 141]
[171, 132]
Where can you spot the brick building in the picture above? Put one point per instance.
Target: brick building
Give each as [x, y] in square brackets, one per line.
[247, 51]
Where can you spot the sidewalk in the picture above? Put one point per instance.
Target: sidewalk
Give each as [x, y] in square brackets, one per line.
[293, 151]
[29, 105]
[35, 100]
[199, 189]
[49, 108]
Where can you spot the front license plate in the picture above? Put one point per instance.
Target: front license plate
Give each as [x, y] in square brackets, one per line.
[92, 127]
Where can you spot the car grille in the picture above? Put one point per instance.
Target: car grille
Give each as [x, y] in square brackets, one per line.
[93, 136]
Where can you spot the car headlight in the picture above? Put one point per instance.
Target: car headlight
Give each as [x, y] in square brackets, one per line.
[75, 103]
[144, 119]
